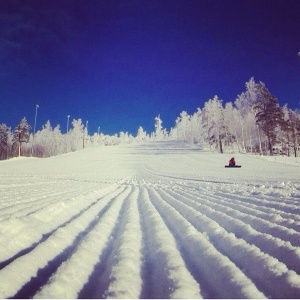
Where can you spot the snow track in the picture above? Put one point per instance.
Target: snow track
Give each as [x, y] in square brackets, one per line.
[158, 220]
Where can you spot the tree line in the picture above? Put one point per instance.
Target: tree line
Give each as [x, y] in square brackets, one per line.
[253, 123]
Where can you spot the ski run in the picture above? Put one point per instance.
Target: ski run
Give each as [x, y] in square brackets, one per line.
[152, 220]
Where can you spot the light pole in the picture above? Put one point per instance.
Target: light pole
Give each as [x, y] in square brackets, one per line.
[98, 133]
[68, 116]
[36, 109]
[67, 136]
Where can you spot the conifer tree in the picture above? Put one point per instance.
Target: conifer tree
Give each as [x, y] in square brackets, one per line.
[291, 126]
[268, 114]
[4, 130]
[21, 134]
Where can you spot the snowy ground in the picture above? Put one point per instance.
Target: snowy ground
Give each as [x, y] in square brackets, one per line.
[157, 220]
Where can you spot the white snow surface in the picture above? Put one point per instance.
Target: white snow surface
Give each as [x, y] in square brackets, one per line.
[153, 220]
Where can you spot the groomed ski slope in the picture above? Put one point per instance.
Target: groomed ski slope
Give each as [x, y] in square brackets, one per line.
[156, 220]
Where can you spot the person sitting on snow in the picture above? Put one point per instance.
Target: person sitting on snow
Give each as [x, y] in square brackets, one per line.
[232, 162]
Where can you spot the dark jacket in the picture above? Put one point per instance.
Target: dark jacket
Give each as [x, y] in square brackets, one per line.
[232, 162]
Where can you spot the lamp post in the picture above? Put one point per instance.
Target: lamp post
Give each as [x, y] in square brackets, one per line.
[36, 109]
[98, 135]
[67, 136]
[68, 118]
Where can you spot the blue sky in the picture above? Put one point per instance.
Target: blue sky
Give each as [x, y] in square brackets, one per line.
[119, 64]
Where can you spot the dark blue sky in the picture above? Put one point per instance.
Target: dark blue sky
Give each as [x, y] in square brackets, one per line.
[118, 64]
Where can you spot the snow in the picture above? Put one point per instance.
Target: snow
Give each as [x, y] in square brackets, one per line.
[149, 220]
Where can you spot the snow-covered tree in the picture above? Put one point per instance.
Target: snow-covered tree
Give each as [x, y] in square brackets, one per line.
[95, 139]
[188, 127]
[77, 135]
[4, 131]
[196, 127]
[251, 133]
[141, 135]
[58, 141]
[231, 126]
[43, 141]
[124, 137]
[160, 133]
[213, 122]
[49, 141]
[247, 122]
[247, 99]
[21, 134]
[291, 130]
[183, 125]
